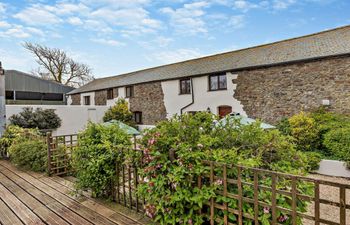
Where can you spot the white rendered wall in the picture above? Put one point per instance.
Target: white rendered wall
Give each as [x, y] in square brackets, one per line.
[92, 97]
[74, 118]
[203, 99]
[121, 94]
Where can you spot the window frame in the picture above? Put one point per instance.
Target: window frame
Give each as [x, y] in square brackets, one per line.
[110, 94]
[188, 86]
[217, 76]
[139, 113]
[85, 99]
[131, 94]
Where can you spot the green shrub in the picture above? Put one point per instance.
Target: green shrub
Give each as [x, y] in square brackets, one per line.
[305, 131]
[313, 160]
[11, 133]
[94, 159]
[29, 153]
[173, 160]
[120, 111]
[39, 118]
[338, 142]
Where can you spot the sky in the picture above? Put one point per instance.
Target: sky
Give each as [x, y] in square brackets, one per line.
[119, 36]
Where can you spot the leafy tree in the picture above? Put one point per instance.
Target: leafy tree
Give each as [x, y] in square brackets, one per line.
[56, 65]
[120, 111]
[39, 118]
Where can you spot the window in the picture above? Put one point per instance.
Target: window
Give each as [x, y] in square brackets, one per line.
[217, 82]
[138, 117]
[129, 91]
[110, 93]
[86, 100]
[185, 86]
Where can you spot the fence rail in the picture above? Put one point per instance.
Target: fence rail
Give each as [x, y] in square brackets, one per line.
[59, 149]
[244, 196]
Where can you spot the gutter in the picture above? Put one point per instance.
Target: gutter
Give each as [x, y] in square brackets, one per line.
[192, 94]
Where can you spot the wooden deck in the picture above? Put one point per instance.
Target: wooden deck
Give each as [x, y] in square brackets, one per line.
[32, 198]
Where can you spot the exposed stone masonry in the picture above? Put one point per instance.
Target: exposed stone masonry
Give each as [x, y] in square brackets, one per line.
[276, 92]
[148, 99]
[101, 97]
[75, 99]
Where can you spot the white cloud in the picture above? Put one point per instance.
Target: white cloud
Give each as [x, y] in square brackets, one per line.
[70, 8]
[189, 18]
[135, 20]
[2, 8]
[282, 4]
[174, 56]
[38, 15]
[4, 24]
[19, 31]
[110, 42]
[236, 21]
[75, 21]
[160, 41]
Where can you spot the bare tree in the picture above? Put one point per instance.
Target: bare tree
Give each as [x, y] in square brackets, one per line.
[54, 64]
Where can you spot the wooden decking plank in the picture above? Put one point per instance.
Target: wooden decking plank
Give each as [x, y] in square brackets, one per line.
[50, 202]
[7, 217]
[37, 207]
[21, 210]
[121, 211]
[97, 207]
[65, 200]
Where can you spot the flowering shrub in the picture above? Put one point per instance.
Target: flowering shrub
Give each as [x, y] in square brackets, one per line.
[95, 157]
[173, 161]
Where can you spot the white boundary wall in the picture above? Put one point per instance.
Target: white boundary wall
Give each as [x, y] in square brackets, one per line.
[74, 118]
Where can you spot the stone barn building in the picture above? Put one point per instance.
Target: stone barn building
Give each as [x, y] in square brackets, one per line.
[269, 81]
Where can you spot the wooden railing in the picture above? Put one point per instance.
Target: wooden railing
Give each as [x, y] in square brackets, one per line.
[59, 150]
[246, 193]
[249, 193]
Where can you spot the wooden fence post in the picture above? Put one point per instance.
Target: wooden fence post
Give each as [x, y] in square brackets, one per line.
[48, 142]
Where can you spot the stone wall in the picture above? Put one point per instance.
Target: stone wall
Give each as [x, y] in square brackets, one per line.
[148, 99]
[75, 99]
[101, 97]
[115, 92]
[275, 92]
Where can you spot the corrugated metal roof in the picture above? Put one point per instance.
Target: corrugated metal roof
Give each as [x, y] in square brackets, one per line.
[326, 43]
[19, 81]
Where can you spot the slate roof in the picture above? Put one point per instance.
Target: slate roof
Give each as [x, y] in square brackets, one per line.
[326, 43]
[19, 81]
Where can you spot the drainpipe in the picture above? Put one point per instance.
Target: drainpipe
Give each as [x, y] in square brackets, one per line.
[2, 101]
[192, 94]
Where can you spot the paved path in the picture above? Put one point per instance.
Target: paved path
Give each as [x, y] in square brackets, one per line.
[333, 168]
[32, 198]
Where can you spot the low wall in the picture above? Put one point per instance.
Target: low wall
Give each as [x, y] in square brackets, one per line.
[74, 118]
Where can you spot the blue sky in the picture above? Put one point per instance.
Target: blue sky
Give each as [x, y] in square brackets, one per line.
[118, 36]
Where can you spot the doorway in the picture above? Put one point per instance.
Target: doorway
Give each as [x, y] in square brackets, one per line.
[224, 110]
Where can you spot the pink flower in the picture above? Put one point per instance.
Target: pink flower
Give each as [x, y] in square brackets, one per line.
[218, 182]
[266, 210]
[190, 221]
[157, 134]
[150, 210]
[283, 218]
[151, 141]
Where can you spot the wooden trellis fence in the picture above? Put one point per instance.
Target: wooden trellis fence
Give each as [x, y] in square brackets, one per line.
[59, 150]
[245, 196]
